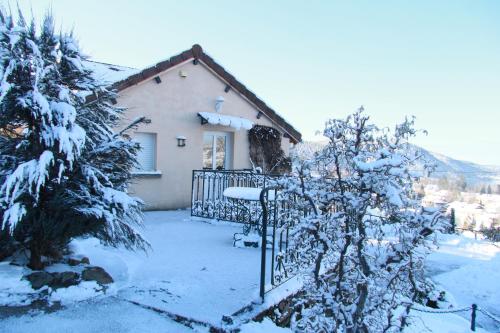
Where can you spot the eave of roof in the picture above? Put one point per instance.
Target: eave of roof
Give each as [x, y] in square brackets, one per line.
[196, 53]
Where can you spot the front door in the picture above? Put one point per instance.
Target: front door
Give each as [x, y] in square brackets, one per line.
[217, 150]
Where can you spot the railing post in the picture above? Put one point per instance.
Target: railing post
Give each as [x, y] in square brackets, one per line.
[262, 198]
[274, 238]
[192, 193]
[473, 318]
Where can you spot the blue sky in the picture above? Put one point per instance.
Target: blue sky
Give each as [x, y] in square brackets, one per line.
[314, 60]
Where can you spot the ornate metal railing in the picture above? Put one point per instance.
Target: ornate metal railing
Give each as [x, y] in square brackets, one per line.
[274, 215]
[277, 222]
[208, 201]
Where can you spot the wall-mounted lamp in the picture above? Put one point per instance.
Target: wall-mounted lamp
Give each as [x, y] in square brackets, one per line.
[259, 114]
[183, 74]
[181, 141]
[218, 103]
[195, 61]
[157, 79]
[227, 88]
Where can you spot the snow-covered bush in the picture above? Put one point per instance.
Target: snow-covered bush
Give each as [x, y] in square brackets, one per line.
[367, 236]
[63, 171]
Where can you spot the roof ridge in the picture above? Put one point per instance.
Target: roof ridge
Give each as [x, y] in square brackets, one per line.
[196, 52]
[108, 64]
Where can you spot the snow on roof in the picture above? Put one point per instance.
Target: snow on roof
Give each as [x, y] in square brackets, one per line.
[226, 120]
[108, 73]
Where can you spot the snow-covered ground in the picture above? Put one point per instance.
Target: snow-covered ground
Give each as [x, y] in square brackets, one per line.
[468, 270]
[194, 271]
[94, 316]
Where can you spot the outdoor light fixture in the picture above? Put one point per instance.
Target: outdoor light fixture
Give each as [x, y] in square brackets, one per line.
[259, 114]
[182, 74]
[218, 103]
[181, 141]
[195, 61]
[228, 87]
[157, 79]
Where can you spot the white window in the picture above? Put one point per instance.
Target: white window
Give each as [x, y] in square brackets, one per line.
[216, 150]
[147, 154]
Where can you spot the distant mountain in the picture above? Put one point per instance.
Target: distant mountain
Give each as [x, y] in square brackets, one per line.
[445, 166]
[472, 172]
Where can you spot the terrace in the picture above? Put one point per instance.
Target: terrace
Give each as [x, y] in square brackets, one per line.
[193, 270]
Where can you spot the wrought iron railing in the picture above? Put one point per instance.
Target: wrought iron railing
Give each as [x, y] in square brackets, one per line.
[273, 215]
[208, 201]
[277, 222]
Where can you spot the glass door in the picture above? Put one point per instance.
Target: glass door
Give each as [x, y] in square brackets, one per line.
[216, 150]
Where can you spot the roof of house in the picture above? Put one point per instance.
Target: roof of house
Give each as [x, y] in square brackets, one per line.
[109, 73]
[120, 78]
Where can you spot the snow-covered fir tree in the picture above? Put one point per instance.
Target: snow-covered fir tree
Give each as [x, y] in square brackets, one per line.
[366, 233]
[453, 223]
[63, 170]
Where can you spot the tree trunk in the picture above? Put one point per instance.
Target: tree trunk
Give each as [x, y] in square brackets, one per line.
[35, 257]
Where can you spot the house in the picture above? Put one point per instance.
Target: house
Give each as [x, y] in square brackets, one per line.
[200, 116]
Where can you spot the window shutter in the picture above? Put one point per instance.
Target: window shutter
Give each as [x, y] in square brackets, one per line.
[147, 154]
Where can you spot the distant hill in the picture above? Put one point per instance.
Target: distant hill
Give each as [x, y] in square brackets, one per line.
[472, 172]
[445, 166]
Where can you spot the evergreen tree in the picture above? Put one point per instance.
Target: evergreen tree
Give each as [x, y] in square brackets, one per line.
[63, 171]
[453, 224]
[488, 190]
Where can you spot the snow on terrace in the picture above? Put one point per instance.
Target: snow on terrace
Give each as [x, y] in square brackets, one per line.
[193, 270]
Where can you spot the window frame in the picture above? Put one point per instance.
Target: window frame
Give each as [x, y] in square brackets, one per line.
[154, 171]
[228, 149]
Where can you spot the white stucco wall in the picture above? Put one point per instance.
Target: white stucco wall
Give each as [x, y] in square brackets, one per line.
[173, 106]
